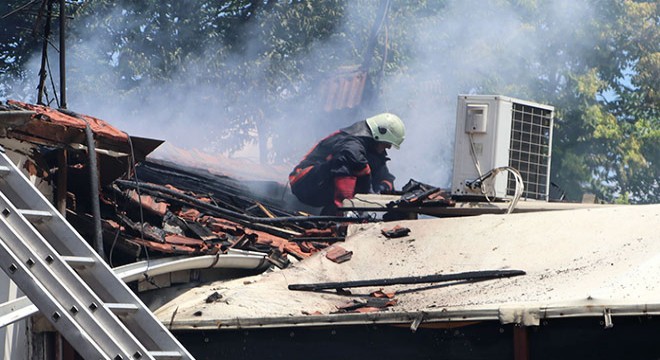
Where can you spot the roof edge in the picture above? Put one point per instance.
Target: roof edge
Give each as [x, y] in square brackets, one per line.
[524, 315]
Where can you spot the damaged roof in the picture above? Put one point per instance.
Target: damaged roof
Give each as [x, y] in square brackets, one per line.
[584, 262]
[576, 262]
[42, 125]
[191, 211]
[220, 165]
[157, 208]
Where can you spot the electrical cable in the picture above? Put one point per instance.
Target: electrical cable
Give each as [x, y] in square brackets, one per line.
[44, 54]
[112, 247]
[18, 9]
[481, 180]
[366, 201]
[137, 190]
[518, 191]
[116, 238]
[52, 83]
[360, 214]
[475, 160]
[473, 153]
[520, 186]
[385, 50]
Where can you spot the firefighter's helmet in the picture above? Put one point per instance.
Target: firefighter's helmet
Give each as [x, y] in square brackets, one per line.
[387, 128]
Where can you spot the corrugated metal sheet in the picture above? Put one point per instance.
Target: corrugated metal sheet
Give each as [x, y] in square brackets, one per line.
[344, 90]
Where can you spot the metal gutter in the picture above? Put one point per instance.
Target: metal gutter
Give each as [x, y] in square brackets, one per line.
[22, 307]
[331, 320]
[435, 316]
[138, 270]
[97, 241]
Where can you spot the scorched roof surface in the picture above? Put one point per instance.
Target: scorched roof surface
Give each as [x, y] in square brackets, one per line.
[577, 262]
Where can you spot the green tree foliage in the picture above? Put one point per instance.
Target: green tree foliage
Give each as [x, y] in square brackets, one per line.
[22, 26]
[249, 55]
[600, 71]
[256, 62]
[607, 129]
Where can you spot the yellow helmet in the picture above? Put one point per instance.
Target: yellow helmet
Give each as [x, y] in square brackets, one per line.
[387, 128]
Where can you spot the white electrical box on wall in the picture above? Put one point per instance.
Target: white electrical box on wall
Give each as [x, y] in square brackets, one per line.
[476, 118]
[495, 131]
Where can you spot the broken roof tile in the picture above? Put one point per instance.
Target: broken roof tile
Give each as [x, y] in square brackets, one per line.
[63, 121]
[189, 214]
[382, 294]
[396, 232]
[148, 202]
[338, 254]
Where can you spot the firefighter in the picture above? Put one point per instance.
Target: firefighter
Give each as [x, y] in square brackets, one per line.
[349, 161]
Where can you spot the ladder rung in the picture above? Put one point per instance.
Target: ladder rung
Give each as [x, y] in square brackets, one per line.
[165, 355]
[36, 214]
[79, 261]
[31, 230]
[122, 309]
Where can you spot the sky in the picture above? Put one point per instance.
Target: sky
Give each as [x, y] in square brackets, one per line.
[470, 41]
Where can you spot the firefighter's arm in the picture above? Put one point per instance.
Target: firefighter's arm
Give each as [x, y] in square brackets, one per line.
[344, 189]
[383, 180]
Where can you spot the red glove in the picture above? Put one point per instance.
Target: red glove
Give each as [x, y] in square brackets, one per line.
[344, 188]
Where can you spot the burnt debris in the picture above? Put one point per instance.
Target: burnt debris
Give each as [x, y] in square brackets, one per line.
[168, 209]
[153, 208]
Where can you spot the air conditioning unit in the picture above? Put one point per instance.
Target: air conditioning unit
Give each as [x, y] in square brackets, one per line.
[497, 132]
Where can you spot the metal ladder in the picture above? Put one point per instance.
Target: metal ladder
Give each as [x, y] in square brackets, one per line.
[69, 283]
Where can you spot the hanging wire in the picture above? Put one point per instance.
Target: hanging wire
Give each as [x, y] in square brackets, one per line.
[475, 160]
[52, 83]
[18, 9]
[119, 211]
[385, 51]
[490, 176]
[132, 163]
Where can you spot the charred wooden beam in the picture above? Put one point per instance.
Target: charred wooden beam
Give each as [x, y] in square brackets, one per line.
[471, 275]
[187, 200]
[229, 214]
[227, 189]
[318, 239]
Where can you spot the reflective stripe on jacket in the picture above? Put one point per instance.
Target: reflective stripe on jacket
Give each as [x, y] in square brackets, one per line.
[347, 152]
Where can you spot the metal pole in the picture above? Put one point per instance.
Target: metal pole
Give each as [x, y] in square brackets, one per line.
[94, 190]
[375, 29]
[520, 342]
[62, 55]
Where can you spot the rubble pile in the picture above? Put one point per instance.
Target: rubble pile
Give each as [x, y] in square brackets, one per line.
[168, 210]
[152, 208]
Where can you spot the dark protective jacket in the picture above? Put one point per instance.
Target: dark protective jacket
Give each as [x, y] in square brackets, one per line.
[347, 154]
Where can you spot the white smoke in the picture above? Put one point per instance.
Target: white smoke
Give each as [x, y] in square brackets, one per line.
[471, 46]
